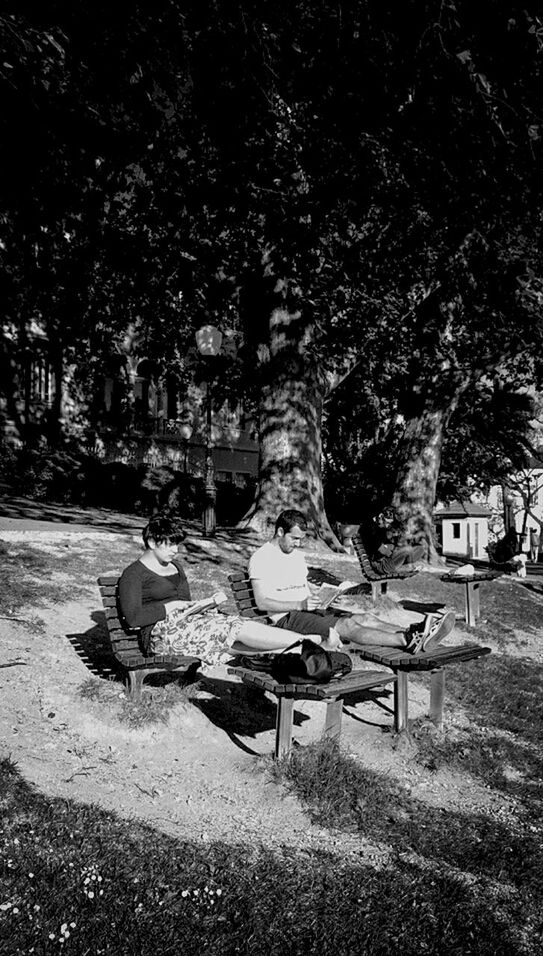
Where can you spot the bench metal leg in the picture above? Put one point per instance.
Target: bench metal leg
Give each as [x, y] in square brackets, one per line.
[401, 701]
[473, 611]
[437, 693]
[378, 588]
[283, 727]
[332, 724]
[134, 683]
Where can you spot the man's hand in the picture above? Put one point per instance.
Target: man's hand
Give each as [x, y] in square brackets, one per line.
[312, 603]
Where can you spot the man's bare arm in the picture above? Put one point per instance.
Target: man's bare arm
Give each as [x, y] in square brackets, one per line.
[274, 603]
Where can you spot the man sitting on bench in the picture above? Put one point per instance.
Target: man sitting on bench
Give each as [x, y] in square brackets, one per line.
[278, 573]
[385, 554]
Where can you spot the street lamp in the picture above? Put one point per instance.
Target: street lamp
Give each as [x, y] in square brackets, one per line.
[208, 340]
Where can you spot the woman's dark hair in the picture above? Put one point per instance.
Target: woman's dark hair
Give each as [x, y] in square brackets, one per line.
[288, 519]
[162, 528]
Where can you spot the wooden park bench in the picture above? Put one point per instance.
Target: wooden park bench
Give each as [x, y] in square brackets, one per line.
[400, 662]
[376, 578]
[127, 647]
[332, 694]
[472, 583]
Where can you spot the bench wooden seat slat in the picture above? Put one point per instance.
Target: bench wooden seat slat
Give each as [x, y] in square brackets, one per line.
[351, 683]
[126, 645]
[443, 654]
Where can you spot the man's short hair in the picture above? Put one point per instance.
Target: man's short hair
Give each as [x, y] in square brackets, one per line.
[289, 518]
[162, 528]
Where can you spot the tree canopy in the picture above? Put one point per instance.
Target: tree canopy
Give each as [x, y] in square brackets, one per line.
[354, 191]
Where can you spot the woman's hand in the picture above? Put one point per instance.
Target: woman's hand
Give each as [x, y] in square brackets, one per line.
[176, 606]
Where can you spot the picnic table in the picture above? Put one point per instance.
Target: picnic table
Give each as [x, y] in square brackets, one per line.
[472, 583]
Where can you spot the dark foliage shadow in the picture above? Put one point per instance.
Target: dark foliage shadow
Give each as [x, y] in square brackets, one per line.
[384, 810]
[96, 518]
[399, 907]
[530, 586]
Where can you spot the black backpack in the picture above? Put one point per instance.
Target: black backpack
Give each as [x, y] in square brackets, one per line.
[313, 666]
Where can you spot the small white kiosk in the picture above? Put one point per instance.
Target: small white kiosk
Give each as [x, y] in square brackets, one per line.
[463, 529]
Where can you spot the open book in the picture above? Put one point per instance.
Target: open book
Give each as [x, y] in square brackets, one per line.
[204, 604]
[328, 593]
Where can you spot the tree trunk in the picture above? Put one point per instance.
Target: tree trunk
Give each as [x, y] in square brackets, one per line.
[415, 493]
[290, 418]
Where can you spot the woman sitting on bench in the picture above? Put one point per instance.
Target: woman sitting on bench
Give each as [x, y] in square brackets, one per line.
[154, 596]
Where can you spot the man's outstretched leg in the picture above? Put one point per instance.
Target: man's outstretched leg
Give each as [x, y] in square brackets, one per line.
[413, 639]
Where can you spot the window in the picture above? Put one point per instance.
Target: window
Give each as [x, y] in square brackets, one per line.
[456, 529]
[40, 381]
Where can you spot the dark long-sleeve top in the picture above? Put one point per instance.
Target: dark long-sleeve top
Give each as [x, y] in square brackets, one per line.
[143, 594]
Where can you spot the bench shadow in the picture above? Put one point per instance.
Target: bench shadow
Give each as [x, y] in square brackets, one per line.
[239, 710]
[380, 696]
[94, 650]
[422, 607]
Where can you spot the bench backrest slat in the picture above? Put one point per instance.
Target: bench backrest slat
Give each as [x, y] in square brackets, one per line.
[364, 560]
[244, 597]
[125, 643]
[368, 569]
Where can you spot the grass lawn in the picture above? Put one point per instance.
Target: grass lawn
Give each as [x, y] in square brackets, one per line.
[76, 879]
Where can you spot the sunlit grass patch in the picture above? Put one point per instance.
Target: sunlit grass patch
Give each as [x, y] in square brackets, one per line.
[340, 793]
[80, 881]
[155, 705]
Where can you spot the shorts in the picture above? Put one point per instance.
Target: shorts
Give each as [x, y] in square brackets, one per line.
[308, 622]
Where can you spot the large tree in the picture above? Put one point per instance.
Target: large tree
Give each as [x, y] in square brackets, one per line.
[340, 184]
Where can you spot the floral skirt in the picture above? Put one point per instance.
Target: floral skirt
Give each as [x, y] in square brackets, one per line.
[207, 636]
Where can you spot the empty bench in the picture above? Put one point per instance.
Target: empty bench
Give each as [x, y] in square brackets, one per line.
[401, 663]
[472, 583]
[332, 694]
[127, 647]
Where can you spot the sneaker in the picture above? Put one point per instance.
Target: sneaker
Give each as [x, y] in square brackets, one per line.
[416, 633]
[439, 630]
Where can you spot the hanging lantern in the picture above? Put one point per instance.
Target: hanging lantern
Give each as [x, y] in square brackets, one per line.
[209, 340]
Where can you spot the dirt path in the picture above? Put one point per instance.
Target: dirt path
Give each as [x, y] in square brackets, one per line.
[195, 777]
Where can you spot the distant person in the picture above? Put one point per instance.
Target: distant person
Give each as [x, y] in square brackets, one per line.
[385, 554]
[534, 544]
[278, 573]
[507, 547]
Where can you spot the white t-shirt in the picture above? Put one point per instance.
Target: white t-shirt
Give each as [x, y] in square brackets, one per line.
[281, 576]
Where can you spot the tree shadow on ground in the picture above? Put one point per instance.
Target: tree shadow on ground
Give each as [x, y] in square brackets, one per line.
[57, 513]
[500, 745]
[385, 810]
[361, 908]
